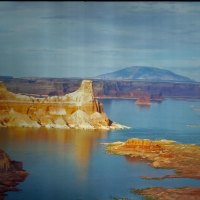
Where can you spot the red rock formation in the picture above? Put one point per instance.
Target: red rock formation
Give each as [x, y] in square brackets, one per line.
[142, 145]
[184, 158]
[143, 100]
[11, 172]
[185, 193]
[162, 154]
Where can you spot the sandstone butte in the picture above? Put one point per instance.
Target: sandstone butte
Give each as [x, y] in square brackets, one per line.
[184, 158]
[79, 110]
[11, 172]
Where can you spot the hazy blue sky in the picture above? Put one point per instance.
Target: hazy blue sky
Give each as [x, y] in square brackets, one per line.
[73, 39]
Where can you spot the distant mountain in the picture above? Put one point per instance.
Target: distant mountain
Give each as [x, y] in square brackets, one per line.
[146, 74]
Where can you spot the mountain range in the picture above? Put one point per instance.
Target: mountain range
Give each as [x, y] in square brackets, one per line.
[145, 74]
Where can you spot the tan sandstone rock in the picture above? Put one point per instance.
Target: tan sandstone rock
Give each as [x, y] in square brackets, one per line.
[79, 110]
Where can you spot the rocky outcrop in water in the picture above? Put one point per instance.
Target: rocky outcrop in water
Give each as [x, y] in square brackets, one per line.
[184, 193]
[184, 158]
[78, 110]
[11, 172]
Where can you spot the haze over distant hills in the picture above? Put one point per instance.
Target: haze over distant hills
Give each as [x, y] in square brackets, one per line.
[145, 74]
[125, 83]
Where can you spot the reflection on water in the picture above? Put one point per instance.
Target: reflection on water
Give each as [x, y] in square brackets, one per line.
[82, 142]
[52, 135]
[143, 107]
[71, 164]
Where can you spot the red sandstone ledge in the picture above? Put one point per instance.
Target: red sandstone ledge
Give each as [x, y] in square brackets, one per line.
[185, 193]
[184, 158]
[11, 173]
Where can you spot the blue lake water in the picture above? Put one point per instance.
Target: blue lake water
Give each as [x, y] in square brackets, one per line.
[73, 164]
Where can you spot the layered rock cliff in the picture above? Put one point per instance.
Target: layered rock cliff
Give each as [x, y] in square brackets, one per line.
[78, 110]
[104, 88]
[11, 172]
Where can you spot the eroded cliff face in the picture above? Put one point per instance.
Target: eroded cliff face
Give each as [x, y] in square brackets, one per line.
[11, 172]
[104, 88]
[78, 110]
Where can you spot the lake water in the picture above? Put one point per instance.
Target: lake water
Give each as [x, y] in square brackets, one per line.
[73, 164]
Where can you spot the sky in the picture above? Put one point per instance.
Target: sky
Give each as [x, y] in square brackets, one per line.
[86, 39]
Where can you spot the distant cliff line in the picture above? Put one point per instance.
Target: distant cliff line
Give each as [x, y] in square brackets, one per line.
[122, 89]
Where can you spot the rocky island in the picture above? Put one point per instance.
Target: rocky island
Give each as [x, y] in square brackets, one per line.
[185, 193]
[143, 101]
[11, 172]
[184, 158]
[79, 110]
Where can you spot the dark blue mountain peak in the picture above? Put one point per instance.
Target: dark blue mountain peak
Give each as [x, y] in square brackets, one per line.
[146, 74]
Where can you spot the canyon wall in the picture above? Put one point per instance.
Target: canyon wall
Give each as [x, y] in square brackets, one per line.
[78, 109]
[104, 88]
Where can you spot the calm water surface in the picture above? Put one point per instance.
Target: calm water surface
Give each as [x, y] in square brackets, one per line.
[73, 165]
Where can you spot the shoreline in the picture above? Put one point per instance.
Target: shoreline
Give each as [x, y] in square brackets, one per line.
[161, 193]
[163, 154]
[11, 173]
